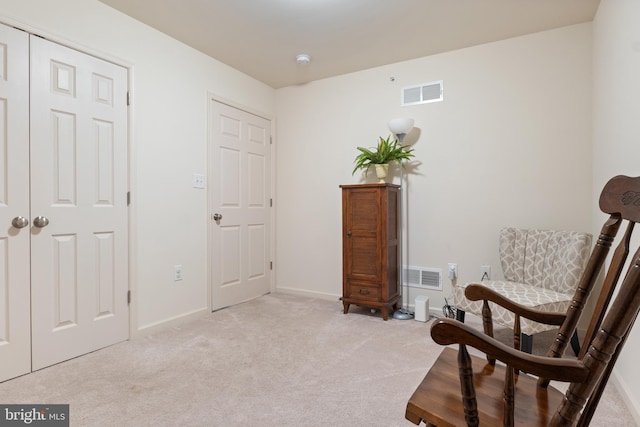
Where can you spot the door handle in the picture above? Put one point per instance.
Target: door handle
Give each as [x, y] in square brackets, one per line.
[217, 217]
[41, 221]
[20, 222]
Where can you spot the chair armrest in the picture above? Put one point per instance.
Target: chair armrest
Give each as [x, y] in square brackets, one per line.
[449, 331]
[476, 292]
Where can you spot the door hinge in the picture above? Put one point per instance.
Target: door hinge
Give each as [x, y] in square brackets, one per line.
[270, 265]
[128, 198]
[128, 297]
[270, 139]
[128, 99]
[270, 203]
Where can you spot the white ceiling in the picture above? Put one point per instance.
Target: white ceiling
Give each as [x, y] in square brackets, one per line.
[262, 37]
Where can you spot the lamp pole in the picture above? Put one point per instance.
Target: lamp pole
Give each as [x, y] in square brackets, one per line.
[400, 127]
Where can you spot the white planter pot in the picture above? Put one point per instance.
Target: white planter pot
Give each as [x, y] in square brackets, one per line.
[382, 171]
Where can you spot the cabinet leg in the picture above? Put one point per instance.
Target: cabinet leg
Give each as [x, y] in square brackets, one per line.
[385, 313]
[346, 307]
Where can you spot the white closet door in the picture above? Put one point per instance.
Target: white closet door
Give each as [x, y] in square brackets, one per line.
[78, 203]
[15, 315]
[240, 195]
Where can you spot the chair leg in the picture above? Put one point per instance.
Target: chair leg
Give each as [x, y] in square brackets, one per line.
[575, 343]
[460, 315]
[526, 343]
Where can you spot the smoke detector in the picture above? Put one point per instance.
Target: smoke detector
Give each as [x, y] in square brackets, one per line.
[303, 59]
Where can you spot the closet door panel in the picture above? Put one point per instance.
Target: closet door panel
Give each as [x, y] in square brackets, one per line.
[15, 314]
[79, 184]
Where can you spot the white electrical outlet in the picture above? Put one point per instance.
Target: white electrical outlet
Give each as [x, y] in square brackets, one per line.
[177, 273]
[485, 272]
[198, 180]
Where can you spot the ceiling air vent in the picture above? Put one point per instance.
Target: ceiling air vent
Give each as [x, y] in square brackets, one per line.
[422, 94]
[424, 277]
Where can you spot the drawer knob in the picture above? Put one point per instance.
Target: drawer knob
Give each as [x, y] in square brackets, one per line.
[364, 291]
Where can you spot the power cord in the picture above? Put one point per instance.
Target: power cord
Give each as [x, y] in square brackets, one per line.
[448, 310]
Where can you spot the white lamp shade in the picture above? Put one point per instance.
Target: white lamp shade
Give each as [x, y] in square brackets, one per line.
[400, 125]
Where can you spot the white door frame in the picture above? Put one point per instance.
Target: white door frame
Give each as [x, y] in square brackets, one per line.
[210, 208]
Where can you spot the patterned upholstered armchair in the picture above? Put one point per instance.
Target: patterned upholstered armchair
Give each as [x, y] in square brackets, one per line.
[541, 271]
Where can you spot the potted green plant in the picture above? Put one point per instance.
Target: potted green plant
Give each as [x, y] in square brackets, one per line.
[388, 150]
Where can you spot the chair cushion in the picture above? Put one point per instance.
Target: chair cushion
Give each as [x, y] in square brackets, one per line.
[530, 296]
[544, 258]
[541, 270]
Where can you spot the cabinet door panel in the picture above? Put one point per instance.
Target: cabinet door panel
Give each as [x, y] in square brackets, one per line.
[364, 257]
[364, 212]
[362, 234]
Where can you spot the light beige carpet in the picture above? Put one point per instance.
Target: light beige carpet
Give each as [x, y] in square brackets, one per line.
[278, 360]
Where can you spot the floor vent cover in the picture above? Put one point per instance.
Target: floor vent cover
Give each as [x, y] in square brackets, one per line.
[424, 277]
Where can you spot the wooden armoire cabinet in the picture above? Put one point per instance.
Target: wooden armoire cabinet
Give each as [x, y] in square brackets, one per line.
[370, 246]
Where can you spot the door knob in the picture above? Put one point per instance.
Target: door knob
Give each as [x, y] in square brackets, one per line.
[20, 222]
[217, 217]
[41, 221]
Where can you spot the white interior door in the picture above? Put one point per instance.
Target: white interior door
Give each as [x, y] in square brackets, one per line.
[79, 271]
[15, 313]
[240, 194]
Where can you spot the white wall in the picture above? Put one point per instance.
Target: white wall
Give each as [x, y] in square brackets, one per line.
[169, 84]
[510, 145]
[616, 134]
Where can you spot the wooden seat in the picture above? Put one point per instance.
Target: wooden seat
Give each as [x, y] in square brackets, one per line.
[441, 394]
[467, 390]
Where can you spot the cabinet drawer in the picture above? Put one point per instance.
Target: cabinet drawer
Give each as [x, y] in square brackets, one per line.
[364, 292]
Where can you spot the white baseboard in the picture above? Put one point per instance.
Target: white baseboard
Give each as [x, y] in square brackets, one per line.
[336, 297]
[632, 405]
[170, 323]
[311, 294]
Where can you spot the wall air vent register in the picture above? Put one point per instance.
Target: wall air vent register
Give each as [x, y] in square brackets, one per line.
[423, 277]
[422, 94]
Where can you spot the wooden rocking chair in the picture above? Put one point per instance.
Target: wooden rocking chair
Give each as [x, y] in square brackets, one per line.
[460, 389]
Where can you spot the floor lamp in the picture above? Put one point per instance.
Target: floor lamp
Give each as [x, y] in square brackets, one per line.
[400, 127]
